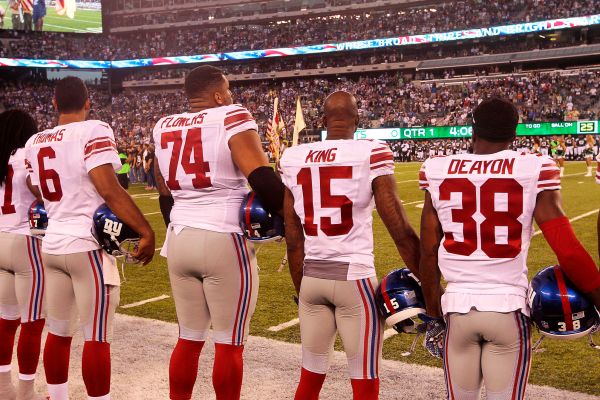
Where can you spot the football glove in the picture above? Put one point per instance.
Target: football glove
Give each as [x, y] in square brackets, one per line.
[435, 335]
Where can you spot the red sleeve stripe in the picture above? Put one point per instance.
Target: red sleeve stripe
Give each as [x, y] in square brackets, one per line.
[102, 138]
[238, 109]
[548, 165]
[422, 176]
[382, 165]
[423, 185]
[98, 151]
[237, 117]
[99, 145]
[549, 175]
[239, 123]
[376, 158]
[380, 149]
[549, 185]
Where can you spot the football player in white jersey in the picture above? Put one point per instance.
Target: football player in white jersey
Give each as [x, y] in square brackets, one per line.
[207, 157]
[74, 167]
[476, 230]
[331, 188]
[21, 270]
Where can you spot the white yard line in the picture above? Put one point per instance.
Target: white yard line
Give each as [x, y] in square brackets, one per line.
[410, 180]
[152, 213]
[413, 202]
[141, 303]
[577, 218]
[285, 325]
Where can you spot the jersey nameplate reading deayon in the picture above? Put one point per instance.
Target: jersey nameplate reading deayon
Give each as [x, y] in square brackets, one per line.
[502, 166]
[317, 156]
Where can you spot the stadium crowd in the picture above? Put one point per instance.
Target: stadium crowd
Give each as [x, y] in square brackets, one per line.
[385, 100]
[284, 33]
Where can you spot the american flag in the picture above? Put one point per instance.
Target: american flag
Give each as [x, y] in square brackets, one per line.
[27, 6]
[275, 127]
[67, 7]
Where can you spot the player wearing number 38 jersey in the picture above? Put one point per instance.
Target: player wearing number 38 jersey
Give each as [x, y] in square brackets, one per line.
[476, 229]
[207, 157]
[331, 189]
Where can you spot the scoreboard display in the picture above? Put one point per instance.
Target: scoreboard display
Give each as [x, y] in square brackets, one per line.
[466, 131]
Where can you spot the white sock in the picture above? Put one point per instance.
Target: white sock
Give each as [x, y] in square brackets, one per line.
[105, 397]
[562, 171]
[589, 170]
[59, 392]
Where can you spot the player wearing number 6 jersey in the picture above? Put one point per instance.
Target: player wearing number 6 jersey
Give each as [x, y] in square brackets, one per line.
[74, 167]
[207, 157]
[21, 270]
[331, 189]
[476, 230]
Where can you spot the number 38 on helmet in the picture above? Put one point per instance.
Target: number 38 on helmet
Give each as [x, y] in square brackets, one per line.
[115, 237]
[558, 309]
[258, 224]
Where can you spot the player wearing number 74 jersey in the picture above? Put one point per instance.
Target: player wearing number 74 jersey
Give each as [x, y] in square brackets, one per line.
[476, 230]
[207, 157]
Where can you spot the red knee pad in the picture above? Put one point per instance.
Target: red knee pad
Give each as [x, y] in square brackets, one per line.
[183, 368]
[96, 368]
[56, 358]
[228, 371]
[365, 389]
[28, 349]
[8, 329]
[310, 385]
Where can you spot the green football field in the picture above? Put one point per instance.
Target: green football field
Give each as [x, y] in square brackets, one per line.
[570, 365]
[85, 21]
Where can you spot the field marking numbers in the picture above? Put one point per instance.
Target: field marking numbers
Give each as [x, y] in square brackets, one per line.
[285, 325]
[141, 303]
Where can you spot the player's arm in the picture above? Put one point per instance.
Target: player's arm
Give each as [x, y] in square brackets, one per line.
[294, 238]
[430, 275]
[165, 199]
[248, 155]
[394, 217]
[34, 190]
[118, 200]
[575, 261]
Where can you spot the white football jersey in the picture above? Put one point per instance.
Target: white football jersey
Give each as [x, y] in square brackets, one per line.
[331, 185]
[193, 154]
[485, 204]
[60, 160]
[15, 197]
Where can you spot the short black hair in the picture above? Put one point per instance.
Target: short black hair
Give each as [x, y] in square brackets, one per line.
[202, 79]
[70, 94]
[16, 127]
[495, 120]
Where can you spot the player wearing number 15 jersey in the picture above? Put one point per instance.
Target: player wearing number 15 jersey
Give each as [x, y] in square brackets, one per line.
[74, 165]
[476, 230]
[206, 158]
[331, 189]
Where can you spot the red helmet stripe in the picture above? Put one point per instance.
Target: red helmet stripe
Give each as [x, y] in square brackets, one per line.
[386, 297]
[248, 209]
[564, 297]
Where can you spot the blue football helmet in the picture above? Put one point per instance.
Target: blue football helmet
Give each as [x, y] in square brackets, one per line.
[116, 238]
[257, 223]
[38, 219]
[399, 298]
[558, 309]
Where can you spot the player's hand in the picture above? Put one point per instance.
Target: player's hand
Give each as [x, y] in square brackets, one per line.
[146, 248]
[435, 335]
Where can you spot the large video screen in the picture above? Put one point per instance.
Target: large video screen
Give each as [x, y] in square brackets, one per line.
[78, 16]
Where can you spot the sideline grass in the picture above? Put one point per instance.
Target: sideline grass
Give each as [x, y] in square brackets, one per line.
[570, 365]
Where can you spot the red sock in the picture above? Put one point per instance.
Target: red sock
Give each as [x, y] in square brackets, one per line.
[96, 368]
[8, 329]
[310, 385]
[365, 389]
[28, 349]
[183, 368]
[228, 371]
[56, 358]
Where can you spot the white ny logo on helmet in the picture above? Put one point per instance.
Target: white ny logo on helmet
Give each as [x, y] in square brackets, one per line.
[113, 229]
